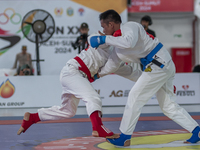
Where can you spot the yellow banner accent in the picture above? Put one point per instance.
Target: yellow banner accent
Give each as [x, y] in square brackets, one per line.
[103, 5]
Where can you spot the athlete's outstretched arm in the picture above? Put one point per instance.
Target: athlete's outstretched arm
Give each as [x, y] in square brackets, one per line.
[128, 72]
[128, 39]
[112, 64]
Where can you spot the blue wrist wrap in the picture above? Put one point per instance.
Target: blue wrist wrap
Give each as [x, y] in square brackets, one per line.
[95, 77]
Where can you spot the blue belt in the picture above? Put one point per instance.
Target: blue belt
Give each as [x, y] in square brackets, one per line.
[149, 58]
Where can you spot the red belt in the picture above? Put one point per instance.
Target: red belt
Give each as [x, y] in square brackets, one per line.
[84, 68]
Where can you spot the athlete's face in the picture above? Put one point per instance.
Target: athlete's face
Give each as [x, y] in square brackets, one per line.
[108, 28]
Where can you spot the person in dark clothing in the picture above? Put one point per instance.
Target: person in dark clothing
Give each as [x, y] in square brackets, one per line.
[196, 68]
[146, 22]
[25, 70]
[81, 41]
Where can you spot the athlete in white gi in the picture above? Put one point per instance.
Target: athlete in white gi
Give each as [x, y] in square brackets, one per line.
[135, 45]
[74, 78]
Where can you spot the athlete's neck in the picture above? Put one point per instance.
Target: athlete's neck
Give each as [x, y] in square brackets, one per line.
[116, 27]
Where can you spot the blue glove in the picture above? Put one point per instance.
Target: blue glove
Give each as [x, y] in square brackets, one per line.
[95, 41]
[96, 77]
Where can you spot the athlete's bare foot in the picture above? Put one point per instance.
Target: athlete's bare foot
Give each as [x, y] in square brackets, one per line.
[186, 142]
[114, 136]
[96, 134]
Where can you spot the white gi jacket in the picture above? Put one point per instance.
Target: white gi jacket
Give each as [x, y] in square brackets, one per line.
[76, 87]
[133, 45]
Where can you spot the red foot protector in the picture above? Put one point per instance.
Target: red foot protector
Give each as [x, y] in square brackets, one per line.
[34, 118]
[103, 131]
[98, 126]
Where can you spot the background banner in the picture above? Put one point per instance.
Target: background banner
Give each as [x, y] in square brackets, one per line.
[161, 6]
[197, 8]
[45, 91]
[68, 16]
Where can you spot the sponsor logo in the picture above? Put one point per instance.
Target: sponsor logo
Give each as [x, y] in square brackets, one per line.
[12, 104]
[7, 89]
[98, 91]
[9, 15]
[14, 18]
[58, 11]
[81, 11]
[70, 12]
[185, 91]
[119, 93]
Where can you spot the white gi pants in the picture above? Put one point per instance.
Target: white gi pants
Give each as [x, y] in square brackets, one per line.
[74, 88]
[159, 82]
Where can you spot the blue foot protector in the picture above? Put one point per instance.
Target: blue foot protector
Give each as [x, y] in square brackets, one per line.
[195, 136]
[121, 140]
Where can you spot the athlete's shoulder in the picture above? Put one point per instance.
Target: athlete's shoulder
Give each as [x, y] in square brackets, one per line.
[130, 26]
[131, 23]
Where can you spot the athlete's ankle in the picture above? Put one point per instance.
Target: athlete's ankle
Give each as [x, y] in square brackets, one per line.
[35, 117]
[96, 121]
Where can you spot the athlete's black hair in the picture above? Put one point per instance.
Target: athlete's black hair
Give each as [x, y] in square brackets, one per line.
[110, 16]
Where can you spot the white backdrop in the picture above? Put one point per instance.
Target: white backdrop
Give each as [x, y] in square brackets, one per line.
[68, 15]
[45, 91]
